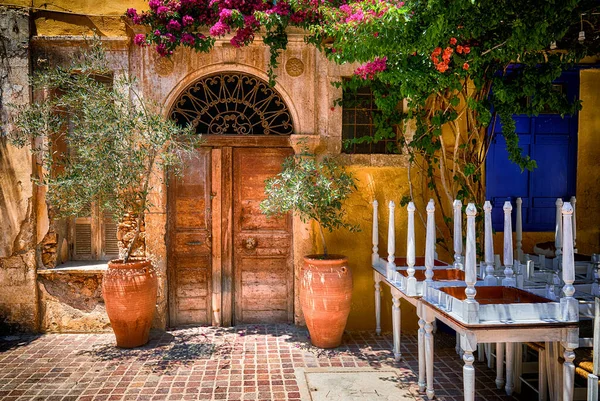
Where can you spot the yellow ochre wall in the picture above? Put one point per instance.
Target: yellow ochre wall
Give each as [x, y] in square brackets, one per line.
[78, 17]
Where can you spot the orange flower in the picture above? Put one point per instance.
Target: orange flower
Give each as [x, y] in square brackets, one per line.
[465, 66]
[467, 49]
[452, 41]
[459, 49]
[442, 67]
[437, 51]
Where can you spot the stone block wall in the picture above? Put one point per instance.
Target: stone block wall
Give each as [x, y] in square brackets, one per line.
[72, 303]
[18, 297]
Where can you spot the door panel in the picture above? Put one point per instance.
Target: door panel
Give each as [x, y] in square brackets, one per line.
[190, 243]
[262, 247]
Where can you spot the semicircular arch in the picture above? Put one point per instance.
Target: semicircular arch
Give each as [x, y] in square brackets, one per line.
[232, 102]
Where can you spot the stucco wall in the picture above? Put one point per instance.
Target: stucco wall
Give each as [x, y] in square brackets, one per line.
[18, 304]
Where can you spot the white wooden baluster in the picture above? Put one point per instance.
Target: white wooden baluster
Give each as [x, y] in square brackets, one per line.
[471, 305]
[519, 230]
[568, 304]
[558, 233]
[509, 279]
[411, 282]
[469, 344]
[429, 244]
[421, 347]
[489, 245]
[375, 256]
[377, 306]
[573, 201]
[458, 246]
[391, 265]
[396, 322]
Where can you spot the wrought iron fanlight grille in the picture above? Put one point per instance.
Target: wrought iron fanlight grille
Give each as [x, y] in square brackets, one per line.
[233, 104]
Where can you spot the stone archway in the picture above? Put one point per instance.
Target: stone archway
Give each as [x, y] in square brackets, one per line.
[227, 263]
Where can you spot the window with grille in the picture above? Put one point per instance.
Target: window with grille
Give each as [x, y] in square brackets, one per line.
[358, 127]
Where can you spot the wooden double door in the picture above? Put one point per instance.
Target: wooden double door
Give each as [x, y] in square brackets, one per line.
[227, 262]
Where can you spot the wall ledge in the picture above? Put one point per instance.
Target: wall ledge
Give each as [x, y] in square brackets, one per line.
[79, 267]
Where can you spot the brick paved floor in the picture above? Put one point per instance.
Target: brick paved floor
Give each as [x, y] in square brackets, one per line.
[253, 362]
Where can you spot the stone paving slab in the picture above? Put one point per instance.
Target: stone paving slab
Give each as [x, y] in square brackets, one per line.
[251, 362]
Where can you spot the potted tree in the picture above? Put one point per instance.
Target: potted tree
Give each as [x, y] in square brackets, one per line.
[315, 190]
[98, 142]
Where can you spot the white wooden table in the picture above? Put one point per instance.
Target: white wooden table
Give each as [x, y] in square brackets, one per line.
[502, 333]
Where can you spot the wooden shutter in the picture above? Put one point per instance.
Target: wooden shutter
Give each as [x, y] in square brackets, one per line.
[110, 245]
[551, 141]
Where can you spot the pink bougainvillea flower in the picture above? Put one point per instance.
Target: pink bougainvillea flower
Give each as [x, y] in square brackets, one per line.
[131, 12]
[173, 25]
[219, 29]
[225, 14]
[187, 20]
[161, 49]
[139, 39]
[162, 11]
[452, 41]
[466, 66]
[358, 16]
[368, 70]
[188, 39]
[154, 4]
[346, 9]
[375, 34]
[171, 37]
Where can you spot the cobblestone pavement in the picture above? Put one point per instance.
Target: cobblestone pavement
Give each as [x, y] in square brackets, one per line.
[252, 362]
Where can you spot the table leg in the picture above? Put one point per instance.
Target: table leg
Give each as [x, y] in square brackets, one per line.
[518, 366]
[396, 325]
[429, 356]
[488, 355]
[568, 373]
[377, 307]
[480, 353]
[421, 347]
[469, 375]
[542, 377]
[499, 365]
[510, 353]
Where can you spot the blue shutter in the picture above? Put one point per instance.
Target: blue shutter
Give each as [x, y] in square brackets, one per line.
[552, 142]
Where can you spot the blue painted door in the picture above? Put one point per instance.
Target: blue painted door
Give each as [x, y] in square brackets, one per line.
[551, 141]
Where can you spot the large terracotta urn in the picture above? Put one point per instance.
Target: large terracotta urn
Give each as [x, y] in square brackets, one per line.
[325, 296]
[130, 291]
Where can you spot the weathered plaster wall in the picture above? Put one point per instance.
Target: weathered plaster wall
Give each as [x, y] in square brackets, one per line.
[18, 304]
[72, 303]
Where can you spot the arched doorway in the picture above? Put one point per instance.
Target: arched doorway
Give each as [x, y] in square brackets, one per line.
[228, 263]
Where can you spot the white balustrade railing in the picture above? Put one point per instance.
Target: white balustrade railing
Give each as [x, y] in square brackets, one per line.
[458, 248]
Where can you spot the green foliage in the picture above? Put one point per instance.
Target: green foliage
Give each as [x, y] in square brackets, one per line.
[314, 190]
[461, 65]
[95, 139]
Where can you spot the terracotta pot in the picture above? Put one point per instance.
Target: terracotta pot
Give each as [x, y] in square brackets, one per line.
[325, 296]
[130, 291]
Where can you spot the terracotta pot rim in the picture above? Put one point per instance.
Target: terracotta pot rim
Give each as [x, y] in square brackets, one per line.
[326, 258]
[140, 263]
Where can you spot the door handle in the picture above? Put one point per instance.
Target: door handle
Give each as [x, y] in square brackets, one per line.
[194, 243]
[250, 243]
